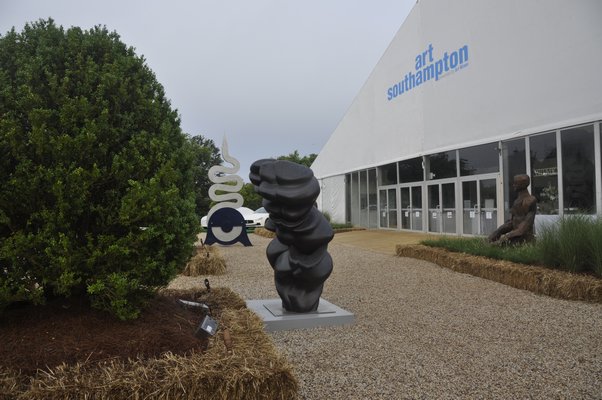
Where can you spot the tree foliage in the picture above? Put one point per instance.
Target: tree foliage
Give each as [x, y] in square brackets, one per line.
[96, 180]
[252, 199]
[296, 158]
[206, 155]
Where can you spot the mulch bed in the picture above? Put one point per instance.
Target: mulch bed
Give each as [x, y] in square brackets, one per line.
[38, 337]
[85, 353]
[550, 282]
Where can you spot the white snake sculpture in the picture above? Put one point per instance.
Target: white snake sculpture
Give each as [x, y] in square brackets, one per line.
[217, 175]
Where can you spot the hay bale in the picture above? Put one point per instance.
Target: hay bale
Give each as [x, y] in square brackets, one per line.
[264, 233]
[206, 261]
[554, 283]
[251, 369]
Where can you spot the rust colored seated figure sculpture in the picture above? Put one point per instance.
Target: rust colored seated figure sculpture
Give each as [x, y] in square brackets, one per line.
[519, 228]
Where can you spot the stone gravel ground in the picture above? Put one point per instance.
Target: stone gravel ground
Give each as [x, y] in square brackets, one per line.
[425, 332]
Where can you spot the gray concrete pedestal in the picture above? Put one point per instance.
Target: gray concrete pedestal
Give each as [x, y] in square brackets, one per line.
[276, 318]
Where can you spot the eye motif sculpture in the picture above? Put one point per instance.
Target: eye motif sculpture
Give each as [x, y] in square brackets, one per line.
[225, 225]
[298, 254]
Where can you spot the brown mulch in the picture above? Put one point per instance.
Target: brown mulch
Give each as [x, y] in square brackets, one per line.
[550, 282]
[40, 337]
[239, 363]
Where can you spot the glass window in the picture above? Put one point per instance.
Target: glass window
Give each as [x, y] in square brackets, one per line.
[515, 163]
[544, 172]
[578, 170]
[442, 165]
[388, 174]
[483, 159]
[372, 199]
[411, 170]
[355, 197]
[348, 198]
[364, 198]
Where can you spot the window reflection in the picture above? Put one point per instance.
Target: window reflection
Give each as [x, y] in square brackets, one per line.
[578, 170]
[544, 172]
[483, 159]
[442, 165]
[388, 174]
[411, 170]
[515, 163]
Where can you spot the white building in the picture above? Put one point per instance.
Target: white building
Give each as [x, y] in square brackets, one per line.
[468, 94]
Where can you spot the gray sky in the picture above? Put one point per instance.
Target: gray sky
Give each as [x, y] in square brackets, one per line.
[273, 75]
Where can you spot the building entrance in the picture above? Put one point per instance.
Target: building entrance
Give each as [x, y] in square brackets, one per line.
[411, 207]
[442, 207]
[479, 205]
[388, 208]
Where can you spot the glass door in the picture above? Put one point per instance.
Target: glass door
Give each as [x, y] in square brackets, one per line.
[383, 211]
[470, 208]
[479, 206]
[392, 207]
[434, 208]
[411, 207]
[442, 207]
[416, 208]
[488, 205]
[406, 207]
[388, 208]
[448, 200]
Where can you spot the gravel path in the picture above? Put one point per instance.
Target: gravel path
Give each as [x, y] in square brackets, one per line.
[426, 332]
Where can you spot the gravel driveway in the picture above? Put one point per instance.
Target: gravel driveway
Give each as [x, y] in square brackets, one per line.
[426, 332]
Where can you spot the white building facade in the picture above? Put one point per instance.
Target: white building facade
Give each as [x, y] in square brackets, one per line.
[468, 94]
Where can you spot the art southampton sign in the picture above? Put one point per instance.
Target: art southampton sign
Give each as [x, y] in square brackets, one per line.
[427, 68]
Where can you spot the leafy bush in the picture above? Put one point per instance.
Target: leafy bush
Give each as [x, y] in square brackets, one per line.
[96, 189]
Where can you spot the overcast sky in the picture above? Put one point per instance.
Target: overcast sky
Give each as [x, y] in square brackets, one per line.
[274, 76]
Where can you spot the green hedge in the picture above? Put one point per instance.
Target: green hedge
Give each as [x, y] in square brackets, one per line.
[96, 191]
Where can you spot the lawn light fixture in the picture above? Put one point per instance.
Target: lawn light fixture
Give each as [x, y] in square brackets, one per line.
[207, 327]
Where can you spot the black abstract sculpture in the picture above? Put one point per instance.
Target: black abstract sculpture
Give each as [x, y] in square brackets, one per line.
[299, 253]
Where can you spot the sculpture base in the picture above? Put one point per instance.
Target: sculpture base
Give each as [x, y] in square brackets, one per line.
[276, 318]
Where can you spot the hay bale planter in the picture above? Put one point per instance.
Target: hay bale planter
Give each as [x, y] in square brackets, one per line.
[554, 283]
[270, 235]
[249, 367]
[207, 261]
[264, 233]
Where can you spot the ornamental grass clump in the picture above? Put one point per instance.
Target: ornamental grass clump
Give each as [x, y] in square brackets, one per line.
[524, 254]
[595, 246]
[96, 185]
[574, 244]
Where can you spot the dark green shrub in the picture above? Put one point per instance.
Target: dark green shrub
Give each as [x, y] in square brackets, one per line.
[96, 189]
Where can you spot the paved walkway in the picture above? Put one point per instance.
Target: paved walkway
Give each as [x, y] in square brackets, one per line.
[381, 241]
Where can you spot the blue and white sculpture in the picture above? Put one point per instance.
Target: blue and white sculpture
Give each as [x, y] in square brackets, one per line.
[225, 225]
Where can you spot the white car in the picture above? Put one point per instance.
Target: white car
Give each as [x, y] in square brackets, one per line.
[253, 219]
